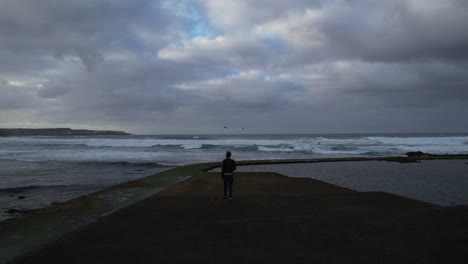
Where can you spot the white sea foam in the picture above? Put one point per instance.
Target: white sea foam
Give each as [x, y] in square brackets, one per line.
[172, 149]
[422, 141]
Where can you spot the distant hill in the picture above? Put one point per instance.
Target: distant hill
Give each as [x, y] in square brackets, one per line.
[8, 132]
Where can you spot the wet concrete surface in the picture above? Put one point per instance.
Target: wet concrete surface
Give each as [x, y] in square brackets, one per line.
[272, 219]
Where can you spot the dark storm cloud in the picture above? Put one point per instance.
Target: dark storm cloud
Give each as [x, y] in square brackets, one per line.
[398, 30]
[272, 66]
[82, 28]
[426, 83]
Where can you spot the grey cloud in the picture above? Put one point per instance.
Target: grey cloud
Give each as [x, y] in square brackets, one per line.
[16, 98]
[82, 28]
[243, 14]
[409, 85]
[382, 31]
[381, 66]
[53, 91]
[396, 31]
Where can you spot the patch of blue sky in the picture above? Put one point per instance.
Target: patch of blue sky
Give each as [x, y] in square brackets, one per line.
[271, 77]
[234, 70]
[273, 38]
[180, 8]
[227, 71]
[202, 29]
[197, 25]
[195, 12]
[277, 78]
[200, 26]
[275, 42]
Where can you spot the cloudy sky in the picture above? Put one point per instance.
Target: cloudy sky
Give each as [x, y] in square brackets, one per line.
[271, 66]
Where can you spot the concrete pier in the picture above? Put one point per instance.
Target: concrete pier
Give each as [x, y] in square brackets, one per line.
[273, 219]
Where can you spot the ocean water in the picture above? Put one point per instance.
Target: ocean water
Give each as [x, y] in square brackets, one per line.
[37, 171]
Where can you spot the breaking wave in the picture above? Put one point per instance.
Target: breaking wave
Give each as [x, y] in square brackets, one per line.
[174, 150]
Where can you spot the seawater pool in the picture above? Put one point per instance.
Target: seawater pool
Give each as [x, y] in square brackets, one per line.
[441, 182]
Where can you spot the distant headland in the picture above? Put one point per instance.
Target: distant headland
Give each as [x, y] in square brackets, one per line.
[8, 132]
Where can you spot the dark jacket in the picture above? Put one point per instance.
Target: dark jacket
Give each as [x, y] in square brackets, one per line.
[229, 166]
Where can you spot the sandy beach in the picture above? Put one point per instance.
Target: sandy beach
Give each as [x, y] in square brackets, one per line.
[274, 218]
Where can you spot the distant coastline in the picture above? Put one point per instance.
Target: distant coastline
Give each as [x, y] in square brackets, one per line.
[9, 132]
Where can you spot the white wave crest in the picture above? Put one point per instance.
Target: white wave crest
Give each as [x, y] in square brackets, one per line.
[421, 141]
[170, 149]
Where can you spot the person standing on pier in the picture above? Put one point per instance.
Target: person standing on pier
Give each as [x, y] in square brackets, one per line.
[227, 173]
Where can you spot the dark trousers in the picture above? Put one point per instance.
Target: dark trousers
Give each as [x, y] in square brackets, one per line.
[228, 180]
